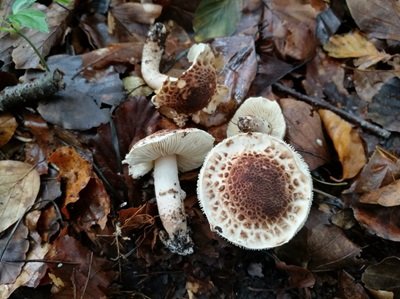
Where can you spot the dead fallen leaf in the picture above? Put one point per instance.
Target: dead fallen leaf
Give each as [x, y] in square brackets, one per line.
[292, 25]
[379, 18]
[382, 221]
[130, 12]
[349, 288]
[23, 55]
[384, 275]
[368, 82]
[93, 206]
[8, 125]
[387, 196]
[328, 246]
[323, 71]
[383, 108]
[19, 186]
[75, 170]
[304, 132]
[382, 169]
[13, 247]
[83, 274]
[135, 218]
[347, 142]
[354, 45]
[31, 273]
[299, 277]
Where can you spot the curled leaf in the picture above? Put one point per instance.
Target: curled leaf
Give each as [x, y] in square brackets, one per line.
[347, 143]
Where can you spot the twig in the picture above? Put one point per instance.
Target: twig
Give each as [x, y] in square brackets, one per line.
[31, 92]
[319, 103]
[88, 276]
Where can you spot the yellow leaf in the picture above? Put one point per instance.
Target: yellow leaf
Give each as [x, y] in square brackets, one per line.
[347, 143]
[350, 45]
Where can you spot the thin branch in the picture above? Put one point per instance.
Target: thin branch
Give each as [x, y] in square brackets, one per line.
[319, 103]
[31, 92]
[88, 276]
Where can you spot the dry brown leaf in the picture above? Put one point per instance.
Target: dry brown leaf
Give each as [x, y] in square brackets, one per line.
[387, 196]
[304, 132]
[347, 142]
[83, 274]
[8, 124]
[19, 186]
[299, 277]
[382, 169]
[384, 275]
[31, 273]
[74, 169]
[93, 207]
[379, 18]
[349, 288]
[354, 45]
[13, 247]
[381, 221]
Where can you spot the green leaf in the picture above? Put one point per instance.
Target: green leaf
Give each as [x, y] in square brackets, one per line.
[63, 2]
[19, 5]
[31, 18]
[215, 18]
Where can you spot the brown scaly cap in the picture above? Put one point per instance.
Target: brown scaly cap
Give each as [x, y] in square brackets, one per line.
[255, 190]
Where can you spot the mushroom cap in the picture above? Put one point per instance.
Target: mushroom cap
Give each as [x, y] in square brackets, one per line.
[189, 145]
[255, 190]
[262, 108]
[193, 90]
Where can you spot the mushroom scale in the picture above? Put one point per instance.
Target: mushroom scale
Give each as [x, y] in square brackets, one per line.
[255, 190]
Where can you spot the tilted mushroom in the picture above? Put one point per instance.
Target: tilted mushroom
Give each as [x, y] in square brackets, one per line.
[255, 190]
[169, 151]
[258, 114]
[195, 90]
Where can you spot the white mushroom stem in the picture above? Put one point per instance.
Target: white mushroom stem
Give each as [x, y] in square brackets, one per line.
[170, 198]
[153, 50]
[247, 124]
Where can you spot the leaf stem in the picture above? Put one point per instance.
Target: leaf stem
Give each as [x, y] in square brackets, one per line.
[42, 61]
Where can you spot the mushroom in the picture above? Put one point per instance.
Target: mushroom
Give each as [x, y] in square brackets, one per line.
[258, 114]
[255, 190]
[169, 151]
[195, 90]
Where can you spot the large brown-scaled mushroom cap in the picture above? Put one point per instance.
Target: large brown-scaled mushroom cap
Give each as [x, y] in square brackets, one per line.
[258, 114]
[255, 190]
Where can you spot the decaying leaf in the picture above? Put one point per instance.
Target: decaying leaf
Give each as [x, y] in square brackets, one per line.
[349, 288]
[8, 124]
[135, 218]
[93, 206]
[19, 186]
[292, 24]
[304, 132]
[368, 82]
[381, 221]
[379, 18]
[384, 275]
[13, 247]
[354, 45]
[75, 170]
[382, 169]
[31, 273]
[387, 196]
[83, 274]
[384, 106]
[299, 277]
[347, 142]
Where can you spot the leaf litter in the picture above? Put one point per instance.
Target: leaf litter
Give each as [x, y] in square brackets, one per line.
[79, 225]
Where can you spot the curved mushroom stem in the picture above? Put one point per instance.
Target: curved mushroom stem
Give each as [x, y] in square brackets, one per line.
[153, 49]
[249, 123]
[170, 198]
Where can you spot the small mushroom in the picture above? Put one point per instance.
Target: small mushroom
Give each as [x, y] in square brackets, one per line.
[258, 114]
[169, 151]
[255, 190]
[195, 90]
